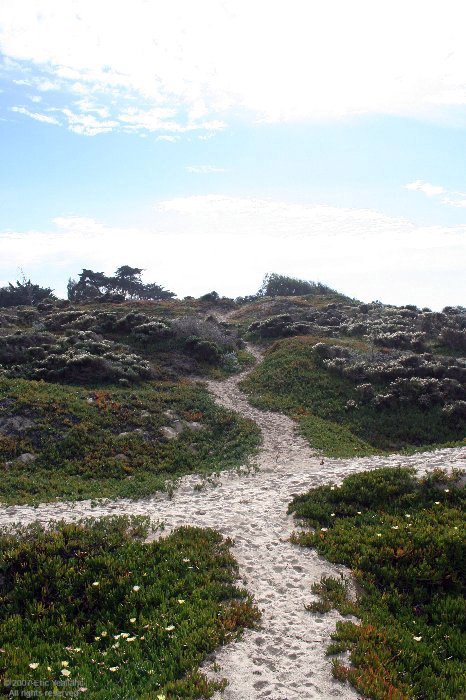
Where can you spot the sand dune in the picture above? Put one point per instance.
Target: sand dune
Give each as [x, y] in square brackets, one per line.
[285, 659]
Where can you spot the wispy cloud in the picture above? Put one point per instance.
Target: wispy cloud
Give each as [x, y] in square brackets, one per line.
[451, 198]
[87, 124]
[309, 61]
[456, 199]
[204, 169]
[167, 137]
[45, 118]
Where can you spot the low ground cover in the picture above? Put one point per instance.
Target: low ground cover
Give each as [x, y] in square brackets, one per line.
[403, 539]
[69, 442]
[91, 608]
[336, 410]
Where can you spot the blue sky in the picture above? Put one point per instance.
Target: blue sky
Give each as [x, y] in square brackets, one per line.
[213, 142]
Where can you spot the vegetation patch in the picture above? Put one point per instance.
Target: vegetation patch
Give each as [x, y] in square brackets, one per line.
[351, 401]
[72, 442]
[332, 315]
[402, 537]
[114, 343]
[91, 608]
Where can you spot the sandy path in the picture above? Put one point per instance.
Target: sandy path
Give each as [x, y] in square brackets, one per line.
[285, 659]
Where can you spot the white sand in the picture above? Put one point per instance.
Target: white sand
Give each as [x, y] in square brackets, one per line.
[285, 659]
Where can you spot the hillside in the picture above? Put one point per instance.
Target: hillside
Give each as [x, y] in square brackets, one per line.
[102, 405]
[95, 400]
[361, 378]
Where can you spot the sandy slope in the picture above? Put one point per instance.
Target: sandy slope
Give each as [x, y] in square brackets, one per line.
[285, 659]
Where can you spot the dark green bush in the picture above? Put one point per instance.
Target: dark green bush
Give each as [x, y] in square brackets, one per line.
[281, 285]
[79, 357]
[203, 350]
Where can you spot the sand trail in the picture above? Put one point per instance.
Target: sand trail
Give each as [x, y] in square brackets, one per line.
[285, 659]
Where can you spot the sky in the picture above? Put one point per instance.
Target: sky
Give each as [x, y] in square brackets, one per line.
[212, 142]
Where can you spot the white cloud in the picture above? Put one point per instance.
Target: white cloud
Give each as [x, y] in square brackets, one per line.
[204, 169]
[194, 244]
[426, 187]
[35, 115]
[276, 61]
[456, 199]
[451, 198]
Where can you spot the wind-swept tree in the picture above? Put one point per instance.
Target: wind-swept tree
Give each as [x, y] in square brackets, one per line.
[90, 285]
[24, 293]
[126, 282]
[154, 291]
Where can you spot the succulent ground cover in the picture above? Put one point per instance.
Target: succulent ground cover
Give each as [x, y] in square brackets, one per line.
[90, 608]
[351, 400]
[403, 538]
[62, 441]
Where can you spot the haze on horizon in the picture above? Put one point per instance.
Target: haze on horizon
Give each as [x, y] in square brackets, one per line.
[210, 143]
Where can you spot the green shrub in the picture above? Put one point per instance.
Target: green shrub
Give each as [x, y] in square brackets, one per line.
[402, 538]
[281, 285]
[203, 350]
[78, 357]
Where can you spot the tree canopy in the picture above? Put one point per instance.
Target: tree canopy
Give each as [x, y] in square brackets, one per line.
[126, 281]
